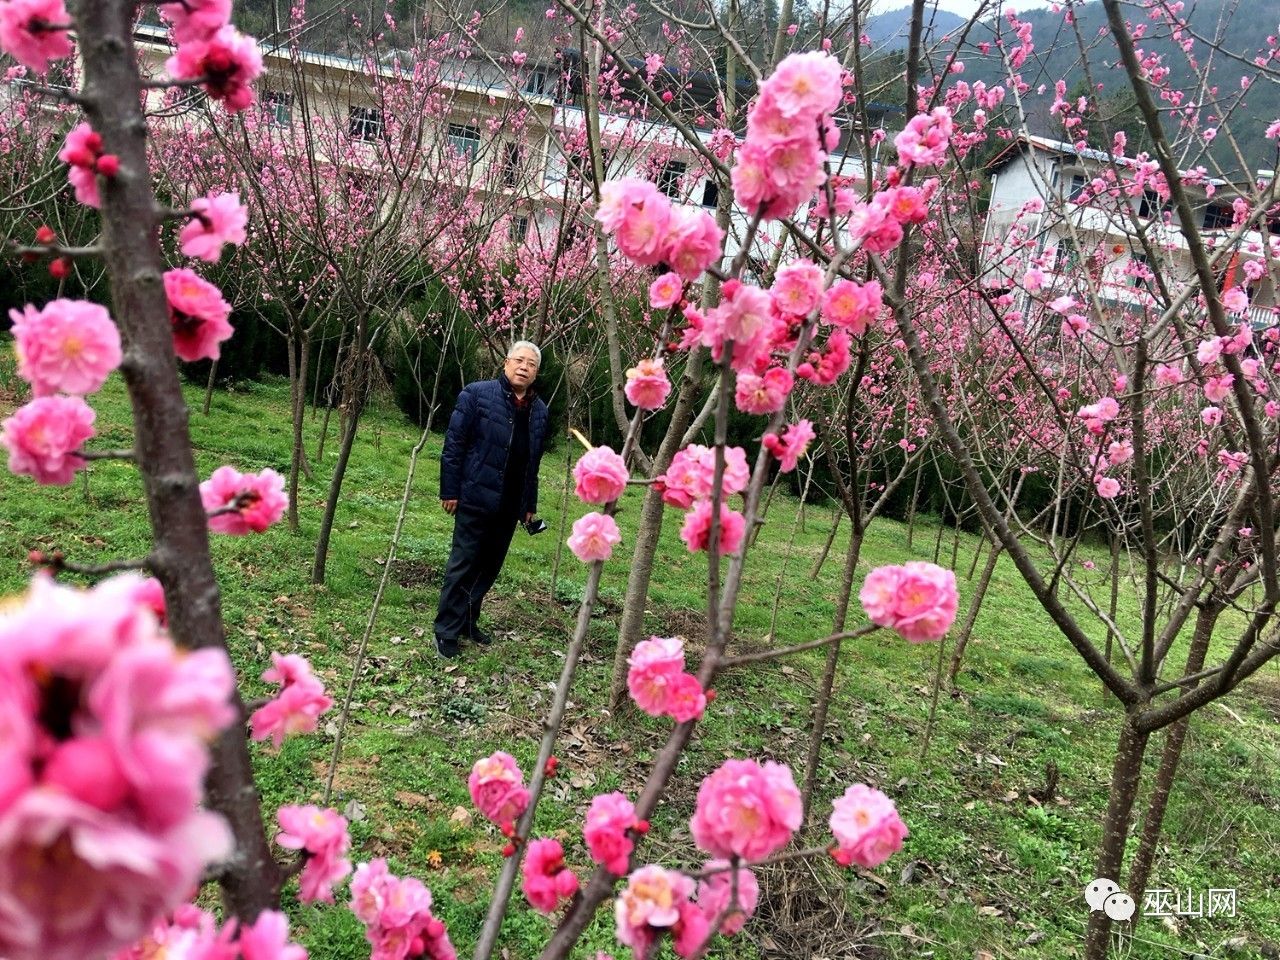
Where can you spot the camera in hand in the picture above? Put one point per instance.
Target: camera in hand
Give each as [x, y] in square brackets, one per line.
[536, 525]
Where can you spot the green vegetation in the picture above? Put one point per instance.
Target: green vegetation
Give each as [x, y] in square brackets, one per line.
[987, 869]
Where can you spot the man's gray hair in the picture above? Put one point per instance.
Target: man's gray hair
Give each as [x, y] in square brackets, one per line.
[525, 343]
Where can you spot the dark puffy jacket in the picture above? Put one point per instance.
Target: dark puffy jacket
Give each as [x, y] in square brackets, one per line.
[474, 461]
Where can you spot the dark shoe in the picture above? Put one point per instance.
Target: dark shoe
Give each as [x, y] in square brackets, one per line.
[480, 637]
[447, 648]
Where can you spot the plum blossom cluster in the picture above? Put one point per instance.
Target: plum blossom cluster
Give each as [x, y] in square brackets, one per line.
[213, 52]
[546, 879]
[82, 152]
[34, 32]
[689, 482]
[396, 913]
[650, 231]
[497, 789]
[321, 836]
[600, 477]
[660, 685]
[296, 708]
[193, 932]
[240, 503]
[103, 754]
[867, 827]
[917, 600]
[609, 829]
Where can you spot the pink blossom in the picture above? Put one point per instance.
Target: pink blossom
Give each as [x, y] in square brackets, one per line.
[244, 502]
[227, 61]
[657, 681]
[746, 810]
[267, 938]
[81, 151]
[665, 291]
[637, 214]
[196, 19]
[925, 139]
[693, 243]
[1211, 416]
[656, 901]
[70, 346]
[547, 880]
[647, 384]
[715, 896]
[297, 707]
[1217, 389]
[1119, 451]
[1235, 300]
[600, 476]
[1062, 304]
[497, 788]
[609, 818]
[691, 476]
[1107, 487]
[198, 315]
[397, 915]
[686, 700]
[917, 600]
[904, 204]
[42, 438]
[1167, 375]
[797, 288]
[322, 834]
[805, 85]
[24, 33]
[852, 305]
[1209, 350]
[594, 537]
[867, 827]
[763, 394]
[696, 530]
[1033, 279]
[219, 218]
[825, 367]
[790, 447]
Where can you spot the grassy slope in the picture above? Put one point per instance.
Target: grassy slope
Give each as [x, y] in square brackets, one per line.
[992, 870]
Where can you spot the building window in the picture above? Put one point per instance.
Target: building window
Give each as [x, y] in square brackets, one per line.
[1067, 256]
[464, 139]
[1150, 207]
[365, 123]
[537, 82]
[277, 107]
[1078, 182]
[710, 193]
[580, 165]
[519, 228]
[669, 177]
[510, 164]
[1218, 216]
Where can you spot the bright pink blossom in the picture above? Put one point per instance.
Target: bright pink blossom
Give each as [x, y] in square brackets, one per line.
[267, 938]
[852, 305]
[70, 346]
[665, 291]
[696, 530]
[81, 151]
[594, 537]
[866, 826]
[805, 85]
[647, 384]
[1217, 389]
[322, 834]
[25, 33]
[657, 901]
[244, 502]
[826, 366]
[227, 61]
[797, 288]
[693, 243]
[746, 810]
[916, 599]
[298, 705]
[546, 879]
[42, 438]
[397, 915]
[600, 476]
[198, 314]
[925, 139]
[763, 394]
[658, 683]
[790, 447]
[686, 700]
[1211, 416]
[196, 19]
[497, 788]
[638, 215]
[219, 218]
[609, 818]
[715, 896]
[691, 476]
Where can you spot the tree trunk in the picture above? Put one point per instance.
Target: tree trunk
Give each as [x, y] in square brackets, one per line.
[354, 406]
[130, 235]
[1125, 775]
[208, 388]
[298, 456]
[826, 547]
[911, 507]
[329, 396]
[971, 616]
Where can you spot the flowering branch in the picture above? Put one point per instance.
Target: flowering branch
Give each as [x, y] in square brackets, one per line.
[798, 648]
[56, 562]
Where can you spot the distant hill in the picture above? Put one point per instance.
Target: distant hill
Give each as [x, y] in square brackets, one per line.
[891, 30]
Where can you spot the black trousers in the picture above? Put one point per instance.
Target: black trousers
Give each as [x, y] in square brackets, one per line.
[480, 544]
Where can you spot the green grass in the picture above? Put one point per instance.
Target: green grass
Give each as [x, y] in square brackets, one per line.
[989, 869]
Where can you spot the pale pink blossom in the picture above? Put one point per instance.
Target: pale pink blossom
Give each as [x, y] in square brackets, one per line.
[1033, 279]
[763, 394]
[696, 530]
[693, 243]
[241, 503]
[866, 826]
[1119, 451]
[1211, 416]
[1062, 304]
[43, 438]
[196, 19]
[797, 288]
[1235, 300]
[219, 218]
[497, 788]
[594, 537]
[198, 314]
[691, 476]
[656, 901]
[267, 938]
[637, 214]
[790, 447]
[25, 33]
[606, 831]
[715, 896]
[1217, 389]
[69, 346]
[1209, 350]
[852, 305]
[805, 85]
[298, 705]
[397, 915]
[322, 835]
[925, 139]
[1107, 487]
[1167, 375]
[918, 600]
[647, 384]
[665, 291]
[745, 809]
[227, 61]
[600, 476]
[546, 879]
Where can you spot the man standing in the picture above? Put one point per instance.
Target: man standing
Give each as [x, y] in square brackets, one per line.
[488, 482]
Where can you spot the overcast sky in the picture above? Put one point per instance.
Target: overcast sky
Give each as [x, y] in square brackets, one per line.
[965, 8]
